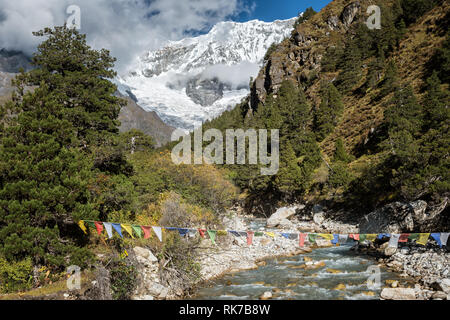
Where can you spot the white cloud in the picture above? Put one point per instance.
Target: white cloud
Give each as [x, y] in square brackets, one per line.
[125, 27]
[237, 75]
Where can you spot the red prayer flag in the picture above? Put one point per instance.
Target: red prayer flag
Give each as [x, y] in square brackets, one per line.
[147, 232]
[202, 232]
[354, 236]
[403, 237]
[250, 237]
[99, 226]
[302, 239]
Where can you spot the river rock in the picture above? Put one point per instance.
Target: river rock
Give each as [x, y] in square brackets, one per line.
[319, 217]
[266, 295]
[439, 295]
[144, 297]
[389, 251]
[398, 294]
[100, 289]
[281, 215]
[442, 285]
[330, 270]
[340, 286]
[311, 265]
[157, 290]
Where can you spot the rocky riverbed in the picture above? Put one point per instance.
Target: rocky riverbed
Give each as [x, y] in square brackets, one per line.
[428, 267]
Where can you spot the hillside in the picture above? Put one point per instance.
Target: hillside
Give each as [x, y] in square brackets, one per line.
[355, 109]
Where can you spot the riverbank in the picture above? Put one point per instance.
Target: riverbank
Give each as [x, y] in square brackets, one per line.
[429, 266]
[230, 254]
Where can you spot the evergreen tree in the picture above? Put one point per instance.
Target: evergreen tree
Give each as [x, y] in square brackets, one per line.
[441, 60]
[289, 177]
[390, 80]
[413, 9]
[309, 12]
[340, 154]
[435, 103]
[404, 112]
[351, 72]
[294, 110]
[47, 177]
[327, 115]
[375, 72]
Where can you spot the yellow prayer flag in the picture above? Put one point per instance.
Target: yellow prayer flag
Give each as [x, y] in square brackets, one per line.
[326, 236]
[371, 237]
[128, 229]
[82, 226]
[423, 238]
[271, 234]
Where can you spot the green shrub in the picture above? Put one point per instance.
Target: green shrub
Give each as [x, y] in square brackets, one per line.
[123, 280]
[15, 276]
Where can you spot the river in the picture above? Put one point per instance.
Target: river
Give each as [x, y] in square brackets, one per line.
[344, 276]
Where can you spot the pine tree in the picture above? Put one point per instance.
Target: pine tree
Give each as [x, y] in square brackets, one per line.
[390, 80]
[327, 115]
[48, 176]
[289, 177]
[435, 103]
[340, 154]
[404, 112]
[351, 71]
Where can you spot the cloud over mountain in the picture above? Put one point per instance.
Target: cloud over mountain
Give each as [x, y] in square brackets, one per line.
[126, 27]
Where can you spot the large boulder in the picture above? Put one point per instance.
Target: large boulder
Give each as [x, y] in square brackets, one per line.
[281, 215]
[442, 285]
[400, 217]
[398, 294]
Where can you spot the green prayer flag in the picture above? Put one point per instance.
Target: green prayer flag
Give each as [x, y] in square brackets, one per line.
[362, 237]
[259, 234]
[312, 237]
[137, 230]
[90, 224]
[212, 236]
[413, 236]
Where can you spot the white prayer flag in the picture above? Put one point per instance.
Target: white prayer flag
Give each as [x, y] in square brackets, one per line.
[343, 238]
[158, 232]
[444, 238]
[108, 228]
[393, 241]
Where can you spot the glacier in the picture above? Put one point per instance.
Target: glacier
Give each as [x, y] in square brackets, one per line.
[216, 67]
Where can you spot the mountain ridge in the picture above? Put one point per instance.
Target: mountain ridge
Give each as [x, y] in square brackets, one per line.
[224, 59]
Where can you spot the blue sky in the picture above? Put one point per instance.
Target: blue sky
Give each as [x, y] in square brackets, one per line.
[269, 10]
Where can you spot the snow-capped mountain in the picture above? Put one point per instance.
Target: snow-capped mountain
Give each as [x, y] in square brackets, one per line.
[189, 81]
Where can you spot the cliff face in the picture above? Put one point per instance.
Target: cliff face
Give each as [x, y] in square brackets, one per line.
[298, 57]
[132, 116]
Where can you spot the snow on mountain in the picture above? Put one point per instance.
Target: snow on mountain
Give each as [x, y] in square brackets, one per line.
[195, 79]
